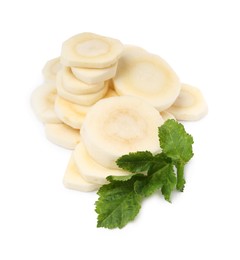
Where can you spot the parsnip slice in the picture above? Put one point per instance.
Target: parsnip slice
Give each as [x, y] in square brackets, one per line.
[73, 180]
[62, 135]
[90, 170]
[148, 77]
[70, 113]
[42, 101]
[94, 76]
[85, 100]
[88, 50]
[190, 104]
[75, 86]
[118, 125]
[51, 69]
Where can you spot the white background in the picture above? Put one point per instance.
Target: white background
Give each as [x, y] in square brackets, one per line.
[39, 218]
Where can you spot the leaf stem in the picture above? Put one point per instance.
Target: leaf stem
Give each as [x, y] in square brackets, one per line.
[180, 177]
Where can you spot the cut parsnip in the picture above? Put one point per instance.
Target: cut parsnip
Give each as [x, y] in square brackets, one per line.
[42, 101]
[73, 114]
[51, 69]
[166, 115]
[90, 170]
[62, 135]
[94, 76]
[88, 50]
[75, 86]
[84, 100]
[70, 113]
[73, 180]
[118, 125]
[146, 76]
[190, 104]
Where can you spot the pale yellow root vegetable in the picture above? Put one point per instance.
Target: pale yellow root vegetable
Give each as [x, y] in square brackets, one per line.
[190, 104]
[88, 50]
[71, 84]
[62, 135]
[90, 169]
[85, 100]
[42, 101]
[118, 125]
[146, 76]
[51, 69]
[73, 180]
[94, 76]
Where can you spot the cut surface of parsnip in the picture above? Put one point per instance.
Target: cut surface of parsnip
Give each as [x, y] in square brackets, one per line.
[42, 102]
[73, 180]
[190, 104]
[51, 69]
[94, 76]
[119, 125]
[146, 76]
[71, 84]
[91, 170]
[85, 100]
[89, 50]
[62, 135]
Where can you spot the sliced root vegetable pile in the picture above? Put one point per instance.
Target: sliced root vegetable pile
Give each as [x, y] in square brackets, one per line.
[114, 126]
[117, 95]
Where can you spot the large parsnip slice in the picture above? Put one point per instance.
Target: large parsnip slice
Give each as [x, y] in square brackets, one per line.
[146, 76]
[85, 100]
[73, 180]
[42, 101]
[190, 104]
[88, 50]
[51, 69]
[118, 125]
[94, 76]
[75, 86]
[62, 135]
[90, 169]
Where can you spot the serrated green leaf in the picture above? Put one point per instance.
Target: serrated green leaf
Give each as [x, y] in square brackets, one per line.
[118, 203]
[136, 162]
[163, 179]
[175, 142]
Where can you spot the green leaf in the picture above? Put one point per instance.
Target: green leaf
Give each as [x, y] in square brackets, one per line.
[175, 142]
[136, 162]
[163, 179]
[118, 203]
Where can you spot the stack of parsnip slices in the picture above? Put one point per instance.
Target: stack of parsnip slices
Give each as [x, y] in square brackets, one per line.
[113, 97]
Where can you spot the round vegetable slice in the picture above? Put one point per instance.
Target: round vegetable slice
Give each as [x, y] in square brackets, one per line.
[78, 87]
[85, 100]
[94, 76]
[73, 180]
[90, 170]
[42, 101]
[190, 104]
[88, 50]
[146, 76]
[118, 125]
[62, 135]
[51, 69]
